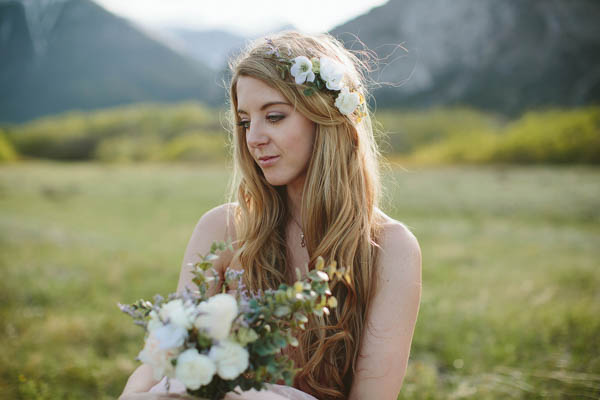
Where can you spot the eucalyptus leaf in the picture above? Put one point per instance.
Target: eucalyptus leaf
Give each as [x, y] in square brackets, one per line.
[282, 311]
[301, 317]
[279, 340]
[293, 341]
[211, 257]
[314, 276]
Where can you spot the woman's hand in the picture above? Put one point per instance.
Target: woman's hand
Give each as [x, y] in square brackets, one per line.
[255, 395]
[155, 396]
[249, 395]
[274, 392]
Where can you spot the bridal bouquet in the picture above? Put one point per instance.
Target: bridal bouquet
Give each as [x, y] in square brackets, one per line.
[215, 344]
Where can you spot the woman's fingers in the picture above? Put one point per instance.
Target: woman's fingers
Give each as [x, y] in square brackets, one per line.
[155, 396]
[255, 395]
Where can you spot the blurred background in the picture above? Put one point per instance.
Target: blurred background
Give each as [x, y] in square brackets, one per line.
[113, 144]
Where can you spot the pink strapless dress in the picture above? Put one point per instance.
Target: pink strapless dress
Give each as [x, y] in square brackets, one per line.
[274, 392]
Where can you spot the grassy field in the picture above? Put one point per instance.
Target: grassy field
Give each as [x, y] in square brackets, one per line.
[511, 278]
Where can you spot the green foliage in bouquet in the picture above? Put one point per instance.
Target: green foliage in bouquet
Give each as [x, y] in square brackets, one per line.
[217, 344]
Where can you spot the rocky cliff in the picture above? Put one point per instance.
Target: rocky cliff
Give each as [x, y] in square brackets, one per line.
[506, 56]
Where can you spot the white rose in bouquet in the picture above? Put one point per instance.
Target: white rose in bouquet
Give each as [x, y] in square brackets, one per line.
[158, 358]
[154, 321]
[231, 358]
[170, 336]
[177, 313]
[194, 369]
[216, 315]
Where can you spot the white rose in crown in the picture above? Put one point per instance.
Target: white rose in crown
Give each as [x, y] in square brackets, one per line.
[347, 101]
[194, 369]
[331, 72]
[302, 70]
[216, 315]
[231, 359]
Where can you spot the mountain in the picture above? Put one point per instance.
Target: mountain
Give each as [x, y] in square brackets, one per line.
[504, 56]
[212, 47]
[59, 55]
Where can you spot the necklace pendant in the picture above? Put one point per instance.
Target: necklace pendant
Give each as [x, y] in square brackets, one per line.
[302, 242]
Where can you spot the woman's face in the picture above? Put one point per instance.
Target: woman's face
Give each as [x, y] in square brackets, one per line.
[279, 138]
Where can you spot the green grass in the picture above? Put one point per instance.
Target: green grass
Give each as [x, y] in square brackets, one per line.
[511, 285]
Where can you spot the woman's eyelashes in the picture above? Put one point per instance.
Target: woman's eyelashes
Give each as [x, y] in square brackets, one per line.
[244, 124]
[274, 118]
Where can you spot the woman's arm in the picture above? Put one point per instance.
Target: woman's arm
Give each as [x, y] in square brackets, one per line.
[211, 227]
[141, 380]
[391, 317]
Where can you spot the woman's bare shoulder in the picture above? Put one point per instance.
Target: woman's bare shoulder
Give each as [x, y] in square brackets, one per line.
[393, 229]
[400, 260]
[215, 225]
[219, 221]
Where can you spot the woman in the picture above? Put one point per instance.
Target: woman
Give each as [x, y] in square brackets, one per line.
[306, 181]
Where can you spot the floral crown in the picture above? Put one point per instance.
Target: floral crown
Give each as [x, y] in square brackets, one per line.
[323, 74]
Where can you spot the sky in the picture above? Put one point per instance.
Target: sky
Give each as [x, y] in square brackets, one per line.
[239, 16]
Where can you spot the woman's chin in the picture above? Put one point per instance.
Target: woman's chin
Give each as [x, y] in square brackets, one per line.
[276, 180]
[296, 180]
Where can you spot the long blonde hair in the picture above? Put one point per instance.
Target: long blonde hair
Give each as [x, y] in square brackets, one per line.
[339, 209]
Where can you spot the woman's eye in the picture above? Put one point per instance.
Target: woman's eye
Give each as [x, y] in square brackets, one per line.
[275, 118]
[244, 124]
[271, 118]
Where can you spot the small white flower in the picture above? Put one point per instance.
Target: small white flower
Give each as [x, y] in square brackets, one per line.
[154, 322]
[302, 70]
[216, 315]
[194, 369]
[170, 336]
[158, 358]
[347, 101]
[231, 359]
[332, 73]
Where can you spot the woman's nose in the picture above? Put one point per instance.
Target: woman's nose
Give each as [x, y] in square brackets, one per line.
[255, 135]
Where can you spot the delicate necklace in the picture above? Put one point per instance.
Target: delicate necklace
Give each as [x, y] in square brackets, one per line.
[302, 242]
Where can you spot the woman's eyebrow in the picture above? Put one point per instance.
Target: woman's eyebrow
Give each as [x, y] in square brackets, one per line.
[271, 103]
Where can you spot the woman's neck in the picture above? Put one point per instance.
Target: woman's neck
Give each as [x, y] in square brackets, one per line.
[294, 199]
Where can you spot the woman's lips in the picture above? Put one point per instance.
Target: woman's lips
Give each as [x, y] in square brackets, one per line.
[265, 162]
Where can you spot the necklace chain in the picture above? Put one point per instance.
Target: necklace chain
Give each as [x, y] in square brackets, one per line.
[302, 241]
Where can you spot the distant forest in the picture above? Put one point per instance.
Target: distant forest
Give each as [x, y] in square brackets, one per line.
[191, 132]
